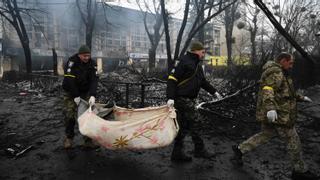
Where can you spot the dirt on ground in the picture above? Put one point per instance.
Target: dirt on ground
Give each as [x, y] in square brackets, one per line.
[32, 131]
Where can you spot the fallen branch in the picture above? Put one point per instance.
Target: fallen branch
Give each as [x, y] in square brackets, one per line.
[200, 106]
[154, 80]
[24, 151]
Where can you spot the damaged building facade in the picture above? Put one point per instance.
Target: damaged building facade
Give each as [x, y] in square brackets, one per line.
[119, 35]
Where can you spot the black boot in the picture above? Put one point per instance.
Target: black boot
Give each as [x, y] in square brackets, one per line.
[237, 157]
[199, 148]
[89, 144]
[304, 176]
[179, 156]
[203, 153]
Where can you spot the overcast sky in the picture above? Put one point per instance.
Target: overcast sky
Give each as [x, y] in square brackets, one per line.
[173, 6]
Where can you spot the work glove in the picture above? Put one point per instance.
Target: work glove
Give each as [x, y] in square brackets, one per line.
[307, 99]
[218, 96]
[170, 103]
[272, 116]
[92, 100]
[77, 100]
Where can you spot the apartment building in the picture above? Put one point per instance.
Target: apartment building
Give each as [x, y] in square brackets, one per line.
[119, 32]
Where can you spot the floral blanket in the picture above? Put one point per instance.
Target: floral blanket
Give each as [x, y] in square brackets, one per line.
[143, 128]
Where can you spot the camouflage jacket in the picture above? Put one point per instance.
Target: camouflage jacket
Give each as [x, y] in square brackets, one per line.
[276, 92]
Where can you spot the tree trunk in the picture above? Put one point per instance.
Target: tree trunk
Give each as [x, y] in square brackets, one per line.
[181, 30]
[19, 26]
[55, 61]
[253, 33]
[253, 47]
[89, 36]
[229, 47]
[229, 28]
[201, 31]
[27, 56]
[88, 17]
[152, 59]
[253, 52]
[170, 63]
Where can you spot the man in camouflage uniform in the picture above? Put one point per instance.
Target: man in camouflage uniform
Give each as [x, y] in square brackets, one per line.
[184, 83]
[80, 81]
[277, 113]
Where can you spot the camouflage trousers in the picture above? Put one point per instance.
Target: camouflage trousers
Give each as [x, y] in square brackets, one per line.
[187, 117]
[289, 135]
[70, 109]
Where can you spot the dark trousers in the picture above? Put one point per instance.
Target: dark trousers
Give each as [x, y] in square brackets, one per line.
[187, 117]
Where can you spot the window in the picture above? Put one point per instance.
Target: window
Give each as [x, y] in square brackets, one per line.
[38, 40]
[217, 36]
[117, 43]
[137, 44]
[217, 50]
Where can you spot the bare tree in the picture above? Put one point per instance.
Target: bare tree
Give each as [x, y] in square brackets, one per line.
[197, 7]
[307, 64]
[251, 24]
[165, 16]
[210, 9]
[88, 12]
[12, 13]
[293, 15]
[35, 24]
[283, 31]
[231, 15]
[156, 32]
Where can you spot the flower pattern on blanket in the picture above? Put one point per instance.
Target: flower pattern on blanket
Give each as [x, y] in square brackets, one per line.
[144, 131]
[104, 128]
[121, 142]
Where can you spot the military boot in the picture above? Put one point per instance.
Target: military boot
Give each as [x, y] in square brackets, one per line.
[178, 155]
[89, 143]
[236, 159]
[304, 176]
[67, 143]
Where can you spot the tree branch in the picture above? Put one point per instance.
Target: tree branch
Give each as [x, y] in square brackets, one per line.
[193, 33]
[183, 25]
[81, 12]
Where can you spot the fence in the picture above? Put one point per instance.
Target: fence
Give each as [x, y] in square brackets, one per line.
[131, 94]
[47, 83]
